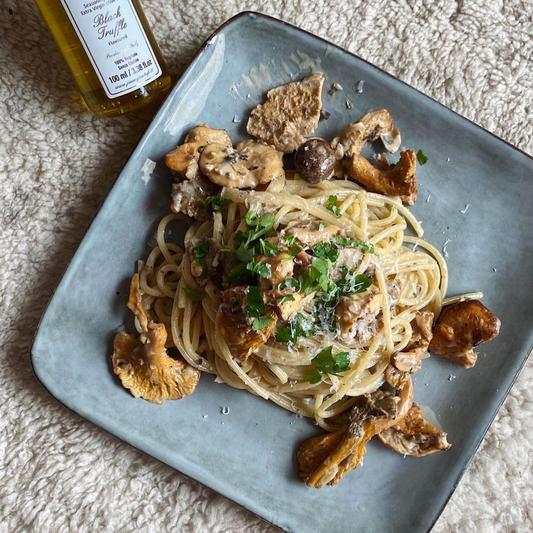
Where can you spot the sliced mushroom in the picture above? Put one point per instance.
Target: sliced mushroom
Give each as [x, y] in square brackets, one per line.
[356, 315]
[248, 165]
[281, 266]
[396, 180]
[184, 158]
[325, 459]
[188, 197]
[370, 127]
[414, 435]
[236, 326]
[311, 237]
[290, 112]
[459, 328]
[143, 365]
[410, 358]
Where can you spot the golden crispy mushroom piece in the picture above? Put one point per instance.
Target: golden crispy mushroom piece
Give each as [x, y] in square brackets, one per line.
[325, 459]
[236, 326]
[246, 166]
[184, 158]
[414, 435]
[459, 328]
[143, 365]
[393, 180]
[290, 112]
[311, 237]
[374, 125]
[410, 358]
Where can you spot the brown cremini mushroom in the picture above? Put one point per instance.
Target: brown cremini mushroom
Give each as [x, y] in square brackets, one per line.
[393, 180]
[315, 161]
[248, 165]
[410, 358]
[414, 435]
[370, 127]
[325, 459]
[143, 365]
[460, 327]
[290, 112]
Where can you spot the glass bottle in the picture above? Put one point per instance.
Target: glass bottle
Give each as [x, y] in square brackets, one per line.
[110, 51]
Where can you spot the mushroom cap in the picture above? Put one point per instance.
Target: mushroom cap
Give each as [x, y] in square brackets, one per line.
[206, 135]
[249, 164]
[459, 328]
[290, 112]
[146, 369]
[315, 161]
[409, 359]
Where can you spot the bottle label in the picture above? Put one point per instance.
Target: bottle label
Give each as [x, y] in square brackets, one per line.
[115, 41]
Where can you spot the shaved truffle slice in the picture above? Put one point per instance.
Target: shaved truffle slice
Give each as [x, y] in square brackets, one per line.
[414, 435]
[236, 325]
[290, 112]
[459, 328]
[143, 365]
[410, 358]
[325, 459]
[391, 180]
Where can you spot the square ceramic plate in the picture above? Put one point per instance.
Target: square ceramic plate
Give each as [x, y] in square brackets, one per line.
[249, 454]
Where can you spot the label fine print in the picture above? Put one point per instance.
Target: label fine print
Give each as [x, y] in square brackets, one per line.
[114, 39]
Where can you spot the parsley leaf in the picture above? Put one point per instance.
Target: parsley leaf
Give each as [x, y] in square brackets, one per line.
[422, 159]
[327, 363]
[217, 202]
[261, 322]
[195, 295]
[290, 240]
[256, 305]
[199, 254]
[299, 326]
[331, 205]
[344, 241]
[286, 298]
[239, 275]
[265, 248]
[259, 268]
[289, 283]
[352, 283]
[258, 226]
[320, 226]
[325, 250]
[314, 377]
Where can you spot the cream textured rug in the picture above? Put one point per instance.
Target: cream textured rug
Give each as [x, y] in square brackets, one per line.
[60, 473]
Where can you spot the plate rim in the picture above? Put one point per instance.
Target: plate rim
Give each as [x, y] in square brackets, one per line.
[193, 60]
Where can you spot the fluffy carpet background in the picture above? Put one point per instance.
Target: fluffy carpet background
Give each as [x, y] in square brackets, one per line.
[60, 473]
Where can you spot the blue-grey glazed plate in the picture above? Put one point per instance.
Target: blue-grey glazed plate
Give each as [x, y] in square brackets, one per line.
[475, 195]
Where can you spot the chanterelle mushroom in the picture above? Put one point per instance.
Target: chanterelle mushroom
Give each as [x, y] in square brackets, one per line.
[143, 365]
[236, 325]
[325, 459]
[396, 180]
[248, 165]
[459, 328]
[206, 135]
[290, 112]
[370, 127]
[414, 435]
[409, 359]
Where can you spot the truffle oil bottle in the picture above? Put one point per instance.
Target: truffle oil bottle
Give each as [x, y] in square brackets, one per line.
[110, 51]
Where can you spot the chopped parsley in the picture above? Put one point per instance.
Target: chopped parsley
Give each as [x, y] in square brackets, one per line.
[422, 158]
[200, 253]
[259, 268]
[327, 363]
[298, 327]
[196, 295]
[256, 309]
[261, 322]
[344, 241]
[240, 275]
[265, 248]
[326, 250]
[320, 226]
[332, 206]
[286, 298]
[258, 226]
[217, 202]
[289, 283]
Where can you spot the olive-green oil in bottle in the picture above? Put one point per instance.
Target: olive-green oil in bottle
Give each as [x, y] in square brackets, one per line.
[110, 51]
